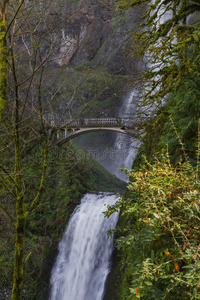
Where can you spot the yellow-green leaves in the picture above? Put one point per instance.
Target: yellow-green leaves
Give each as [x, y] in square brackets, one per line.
[159, 232]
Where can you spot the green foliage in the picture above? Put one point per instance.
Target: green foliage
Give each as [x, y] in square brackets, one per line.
[97, 91]
[164, 38]
[176, 124]
[118, 19]
[151, 139]
[82, 67]
[184, 109]
[71, 172]
[159, 232]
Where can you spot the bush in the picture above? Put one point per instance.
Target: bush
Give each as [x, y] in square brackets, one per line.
[159, 232]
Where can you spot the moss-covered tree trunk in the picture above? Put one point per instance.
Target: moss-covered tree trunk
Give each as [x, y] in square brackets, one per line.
[20, 207]
[3, 54]
[19, 249]
[20, 214]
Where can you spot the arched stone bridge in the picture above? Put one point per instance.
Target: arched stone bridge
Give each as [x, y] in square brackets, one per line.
[64, 131]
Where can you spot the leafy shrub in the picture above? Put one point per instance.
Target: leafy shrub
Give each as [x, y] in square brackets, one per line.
[159, 232]
[183, 106]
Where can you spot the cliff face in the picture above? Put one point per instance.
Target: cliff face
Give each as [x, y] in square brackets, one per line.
[86, 42]
[93, 31]
[83, 33]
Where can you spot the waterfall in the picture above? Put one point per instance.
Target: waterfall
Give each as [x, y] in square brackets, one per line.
[83, 261]
[127, 147]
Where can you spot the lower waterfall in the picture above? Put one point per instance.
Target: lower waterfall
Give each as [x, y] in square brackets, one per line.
[83, 261]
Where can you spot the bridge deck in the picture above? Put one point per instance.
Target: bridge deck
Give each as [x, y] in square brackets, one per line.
[65, 130]
[100, 122]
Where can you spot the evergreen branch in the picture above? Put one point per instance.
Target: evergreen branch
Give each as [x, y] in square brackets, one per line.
[180, 142]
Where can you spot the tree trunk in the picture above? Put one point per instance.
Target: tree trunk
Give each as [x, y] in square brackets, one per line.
[3, 55]
[20, 207]
[19, 250]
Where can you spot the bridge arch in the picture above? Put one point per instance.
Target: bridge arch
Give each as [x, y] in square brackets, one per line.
[81, 131]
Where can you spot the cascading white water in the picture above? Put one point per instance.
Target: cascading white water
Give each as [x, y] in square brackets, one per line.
[127, 147]
[83, 262]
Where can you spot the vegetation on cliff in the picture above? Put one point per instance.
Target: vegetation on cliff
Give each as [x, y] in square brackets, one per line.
[71, 172]
[158, 235]
[158, 232]
[164, 39]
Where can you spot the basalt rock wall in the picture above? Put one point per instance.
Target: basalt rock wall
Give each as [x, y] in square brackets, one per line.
[95, 32]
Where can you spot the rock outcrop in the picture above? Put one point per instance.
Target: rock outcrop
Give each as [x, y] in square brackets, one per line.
[96, 33]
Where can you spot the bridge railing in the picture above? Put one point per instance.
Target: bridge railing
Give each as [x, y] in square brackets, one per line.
[106, 122]
[101, 122]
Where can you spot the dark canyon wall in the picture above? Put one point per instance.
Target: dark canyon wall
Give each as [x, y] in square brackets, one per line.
[95, 32]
